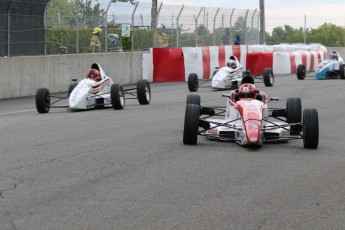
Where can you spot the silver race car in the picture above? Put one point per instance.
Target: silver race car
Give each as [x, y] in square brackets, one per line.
[230, 77]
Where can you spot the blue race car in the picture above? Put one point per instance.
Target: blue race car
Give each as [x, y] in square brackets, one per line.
[331, 68]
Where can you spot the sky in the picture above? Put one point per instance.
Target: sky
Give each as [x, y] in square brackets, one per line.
[281, 12]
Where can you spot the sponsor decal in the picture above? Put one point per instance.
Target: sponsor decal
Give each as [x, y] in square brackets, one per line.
[285, 133]
[252, 131]
[97, 88]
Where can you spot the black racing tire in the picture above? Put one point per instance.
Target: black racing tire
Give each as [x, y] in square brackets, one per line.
[310, 128]
[342, 71]
[301, 72]
[191, 124]
[71, 88]
[193, 99]
[42, 100]
[268, 77]
[117, 97]
[294, 114]
[143, 92]
[193, 82]
[215, 72]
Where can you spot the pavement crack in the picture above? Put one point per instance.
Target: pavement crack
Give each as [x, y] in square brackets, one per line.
[15, 185]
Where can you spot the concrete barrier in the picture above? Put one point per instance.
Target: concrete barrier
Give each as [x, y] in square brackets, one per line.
[22, 76]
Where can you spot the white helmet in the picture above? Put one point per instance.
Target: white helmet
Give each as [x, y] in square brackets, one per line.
[231, 63]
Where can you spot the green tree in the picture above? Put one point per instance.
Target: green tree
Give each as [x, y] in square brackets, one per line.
[328, 34]
[61, 14]
[280, 34]
[202, 30]
[90, 15]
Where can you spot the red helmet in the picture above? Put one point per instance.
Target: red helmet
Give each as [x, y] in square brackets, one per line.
[93, 74]
[247, 91]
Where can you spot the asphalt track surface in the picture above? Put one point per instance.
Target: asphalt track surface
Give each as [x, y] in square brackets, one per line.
[128, 169]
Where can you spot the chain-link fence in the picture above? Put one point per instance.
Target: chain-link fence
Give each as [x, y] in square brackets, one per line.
[22, 30]
[185, 26]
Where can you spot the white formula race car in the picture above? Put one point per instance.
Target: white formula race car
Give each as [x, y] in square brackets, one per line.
[91, 94]
[230, 77]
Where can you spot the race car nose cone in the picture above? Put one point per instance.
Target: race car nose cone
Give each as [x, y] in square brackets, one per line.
[215, 83]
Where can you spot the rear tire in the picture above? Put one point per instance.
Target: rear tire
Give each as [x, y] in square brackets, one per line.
[193, 99]
[310, 128]
[342, 71]
[42, 100]
[294, 114]
[215, 72]
[143, 92]
[117, 96]
[71, 88]
[301, 71]
[191, 124]
[268, 77]
[193, 82]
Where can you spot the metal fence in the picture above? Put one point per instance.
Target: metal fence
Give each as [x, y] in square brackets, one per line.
[22, 30]
[185, 26]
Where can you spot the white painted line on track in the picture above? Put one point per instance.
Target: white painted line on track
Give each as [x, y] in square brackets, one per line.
[16, 112]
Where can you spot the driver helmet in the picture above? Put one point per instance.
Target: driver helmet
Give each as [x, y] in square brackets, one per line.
[93, 74]
[247, 91]
[231, 64]
[333, 56]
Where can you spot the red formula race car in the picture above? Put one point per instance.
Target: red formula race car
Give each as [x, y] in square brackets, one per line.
[247, 120]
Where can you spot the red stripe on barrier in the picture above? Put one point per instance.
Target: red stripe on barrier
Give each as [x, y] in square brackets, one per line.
[292, 62]
[206, 62]
[221, 56]
[236, 50]
[257, 62]
[168, 65]
[312, 61]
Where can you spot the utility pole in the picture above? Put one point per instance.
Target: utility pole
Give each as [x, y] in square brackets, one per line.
[262, 22]
[305, 29]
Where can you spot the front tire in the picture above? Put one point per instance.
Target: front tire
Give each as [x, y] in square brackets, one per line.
[193, 99]
[268, 77]
[342, 71]
[143, 92]
[191, 124]
[294, 114]
[310, 128]
[301, 72]
[193, 82]
[42, 100]
[117, 96]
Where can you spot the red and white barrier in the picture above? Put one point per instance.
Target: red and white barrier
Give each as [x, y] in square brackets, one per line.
[173, 65]
[203, 60]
